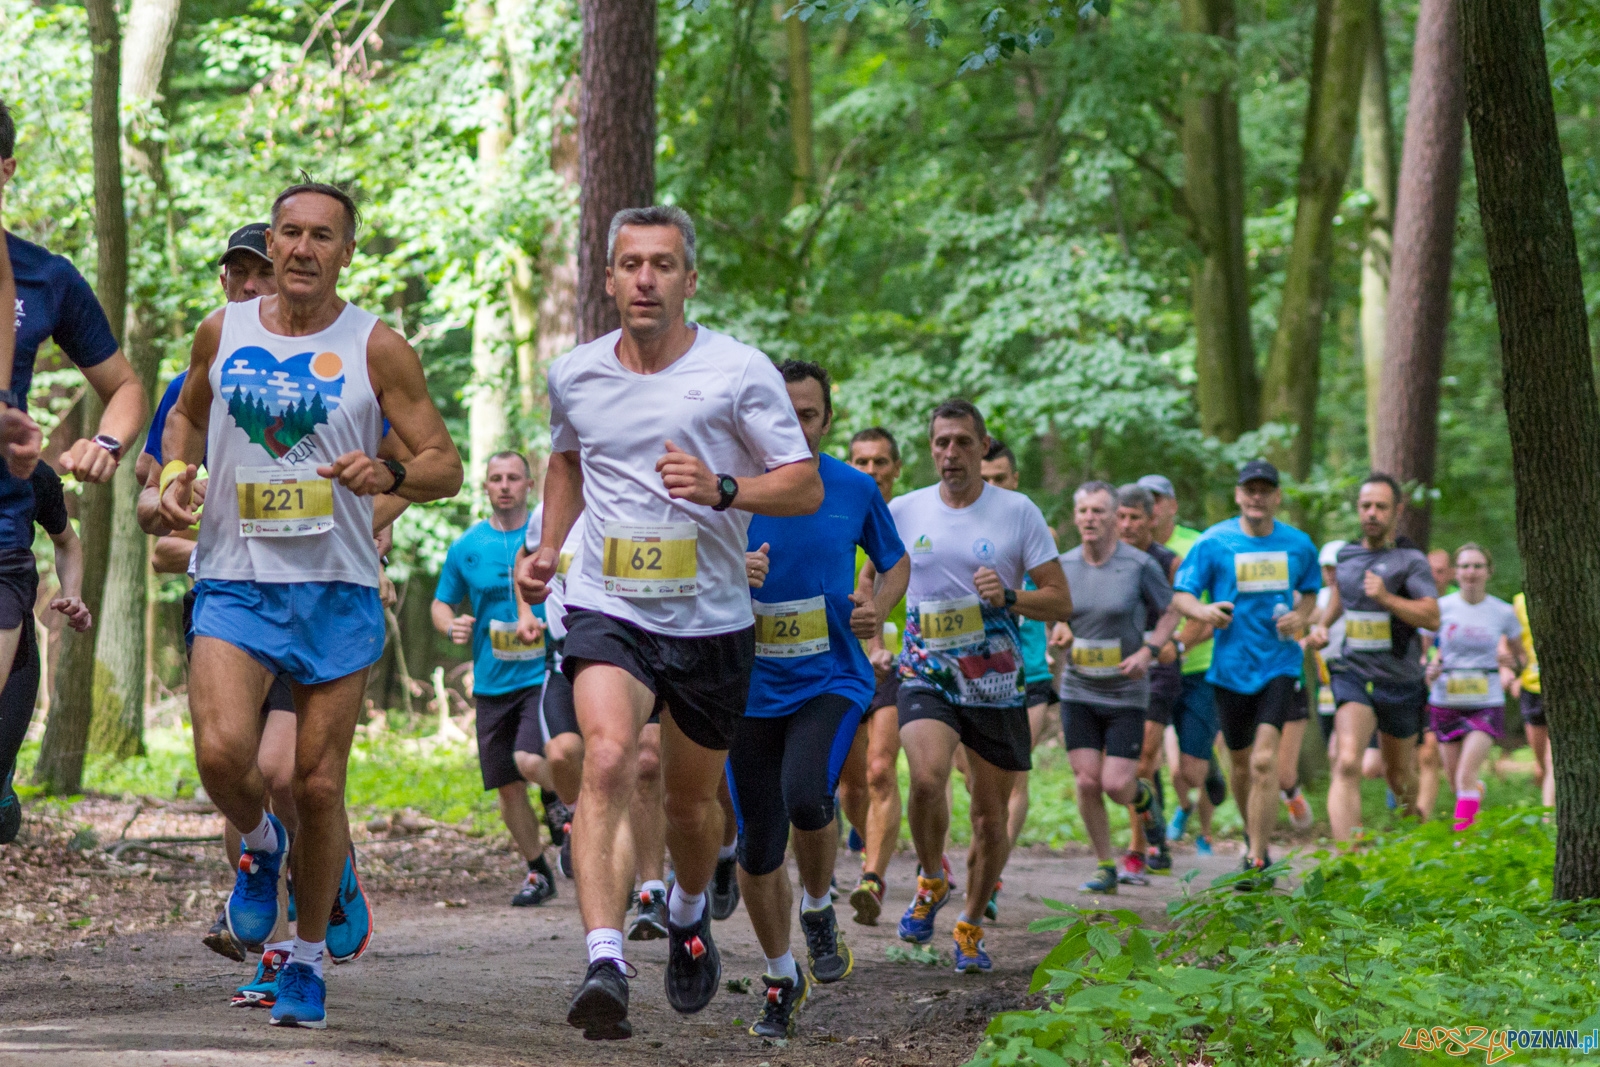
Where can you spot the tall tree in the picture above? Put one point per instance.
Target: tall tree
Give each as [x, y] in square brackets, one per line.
[558, 262]
[616, 140]
[118, 724]
[488, 425]
[798, 38]
[1425, 230]
[1551, 408]
[1377, 180]
[1229, 392]
[1339, 49]
[66, 736]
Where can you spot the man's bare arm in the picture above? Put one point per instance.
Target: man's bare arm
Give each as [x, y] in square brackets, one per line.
[563, 503]
[434, 471]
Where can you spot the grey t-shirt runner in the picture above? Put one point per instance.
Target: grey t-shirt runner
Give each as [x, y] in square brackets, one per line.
[1379, 648]
[1112, 607]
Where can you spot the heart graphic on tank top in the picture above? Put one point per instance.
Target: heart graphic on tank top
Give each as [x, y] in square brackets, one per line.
[279, 403]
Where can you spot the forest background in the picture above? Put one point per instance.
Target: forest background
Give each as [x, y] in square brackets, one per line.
[923, 220]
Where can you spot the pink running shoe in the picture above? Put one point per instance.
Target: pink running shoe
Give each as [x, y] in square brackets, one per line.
[1466, 812]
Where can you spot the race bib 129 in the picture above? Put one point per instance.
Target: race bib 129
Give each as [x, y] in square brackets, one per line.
[951, 624]
[649, 560]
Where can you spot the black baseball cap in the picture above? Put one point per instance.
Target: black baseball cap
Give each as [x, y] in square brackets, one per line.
[1258, 470]
[251, 238]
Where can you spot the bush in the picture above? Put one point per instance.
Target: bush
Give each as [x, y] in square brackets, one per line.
[1426, 928]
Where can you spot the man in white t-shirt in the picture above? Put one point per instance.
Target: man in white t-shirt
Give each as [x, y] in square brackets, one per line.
[669, 436]
[971, 546]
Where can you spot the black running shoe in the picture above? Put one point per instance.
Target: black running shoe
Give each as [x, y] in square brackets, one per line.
[830, 958]
[220, 941]
[1152, 818]
[724, 889]
[10, 812]
[650, 921]
[557, 817]
[564, 855]
[784, 997]
[694, 969]
[600, 1007]
[1216, 786]
[535, 891]
[1255, 880]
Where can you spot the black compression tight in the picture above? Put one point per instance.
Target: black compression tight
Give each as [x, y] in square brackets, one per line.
[17, 699]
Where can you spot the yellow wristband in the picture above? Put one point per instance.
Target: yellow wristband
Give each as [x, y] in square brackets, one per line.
[170, 471]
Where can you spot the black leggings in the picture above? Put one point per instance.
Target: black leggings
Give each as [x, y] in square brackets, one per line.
[783, 770]
[17, 698]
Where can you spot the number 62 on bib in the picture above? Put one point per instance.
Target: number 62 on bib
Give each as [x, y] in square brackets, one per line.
[650, 560]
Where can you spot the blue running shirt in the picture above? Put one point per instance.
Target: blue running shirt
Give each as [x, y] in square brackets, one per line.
[804, 646]
[478, 568]
[1271, 569]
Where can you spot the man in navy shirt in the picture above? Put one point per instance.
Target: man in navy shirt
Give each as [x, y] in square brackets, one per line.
[808, 689]
[52, 300]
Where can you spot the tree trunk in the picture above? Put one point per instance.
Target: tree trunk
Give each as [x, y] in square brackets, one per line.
[1293, 364]
[1551, 409]
[800, 124]
[60, 767]
[616, 140]
[118, 724]
[1377, 179]
[1419, 288]
[488, 427]
[1225, 360]
[557, 327]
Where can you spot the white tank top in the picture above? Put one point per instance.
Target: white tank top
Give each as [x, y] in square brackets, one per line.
[280, 408]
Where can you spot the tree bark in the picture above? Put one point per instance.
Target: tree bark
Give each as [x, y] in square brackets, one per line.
[60, 766]
[557, 327]
[1424, 245]
[1551, 408]
[616, 140]
[118, 724]
[1225, 360]
[1293, 363]
[488, 427]
[1377, 179]
[800, 125]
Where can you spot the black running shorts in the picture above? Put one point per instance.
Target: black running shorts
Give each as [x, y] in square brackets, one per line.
[704, 681]
[1166, 689]
[1000, 736]
[1238, 714]
[1116, 731]
[508, 723]
[1401, 710]
[1042, 692]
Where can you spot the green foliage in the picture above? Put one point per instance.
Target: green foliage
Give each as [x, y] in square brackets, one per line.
[1426, 927]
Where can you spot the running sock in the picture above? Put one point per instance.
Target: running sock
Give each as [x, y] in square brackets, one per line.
[726, 852]
[279, 946]
[262, 839]
[605, 944]
[541, 866]
[654, 885]
[308, 953]
[683, 909]
[1469, 794]
[811, 903]
[784, 967]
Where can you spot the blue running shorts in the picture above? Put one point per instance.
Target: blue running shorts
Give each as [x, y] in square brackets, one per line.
[314, 632]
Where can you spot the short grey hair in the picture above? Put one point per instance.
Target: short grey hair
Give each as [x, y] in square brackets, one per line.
[1134, 495]
[655, 215]
[1090, 488]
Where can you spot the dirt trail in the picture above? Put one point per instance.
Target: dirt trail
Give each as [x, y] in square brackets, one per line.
[485, 984]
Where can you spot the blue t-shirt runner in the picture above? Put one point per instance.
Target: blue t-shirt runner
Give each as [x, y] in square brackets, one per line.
[478, 569]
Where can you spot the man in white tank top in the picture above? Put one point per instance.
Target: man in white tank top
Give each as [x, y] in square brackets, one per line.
[668, 436]
[285, 400]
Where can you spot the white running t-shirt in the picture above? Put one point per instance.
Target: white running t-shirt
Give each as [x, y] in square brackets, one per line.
[722, 402]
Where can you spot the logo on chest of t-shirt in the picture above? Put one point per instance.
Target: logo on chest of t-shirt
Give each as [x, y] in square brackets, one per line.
[983, 550]
[21, 314]
[694, 394]
[280, 404]
[922, 545]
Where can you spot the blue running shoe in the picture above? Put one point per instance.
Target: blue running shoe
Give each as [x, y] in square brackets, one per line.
[970, 956]
[855, 844]
[916, 925]
[1202, 845]
[10, 812]
[302, 998]
[1390, 801]
[1178, 824]
[253, 907]
[288, 876]
[350, 922]
[262, 990]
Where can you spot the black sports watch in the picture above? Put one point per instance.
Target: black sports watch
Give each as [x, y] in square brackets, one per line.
[8, 397]
[728, 487]
[1155, 650]
[109, 443]
[397, 469]
[1011, 598]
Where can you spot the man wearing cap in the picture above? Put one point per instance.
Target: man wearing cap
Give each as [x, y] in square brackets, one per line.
[1262, 577]
[1194, 717]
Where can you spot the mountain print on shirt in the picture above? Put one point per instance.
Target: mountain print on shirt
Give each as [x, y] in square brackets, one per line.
[279, 403]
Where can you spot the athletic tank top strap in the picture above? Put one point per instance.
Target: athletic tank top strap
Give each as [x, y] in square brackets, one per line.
[280, 408]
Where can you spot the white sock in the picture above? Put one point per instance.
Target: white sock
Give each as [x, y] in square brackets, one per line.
[811, 903]
[962, 918]
[278, 946]
[726, 852]
[654, 885]
[308, 953]
[783, 967]
[263, 838]
[604, 944]
[682, 909]
[1469, 794]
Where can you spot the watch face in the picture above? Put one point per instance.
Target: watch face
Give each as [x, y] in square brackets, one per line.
[728, 485]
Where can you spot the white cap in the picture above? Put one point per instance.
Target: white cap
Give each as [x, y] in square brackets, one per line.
[1329, 556]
